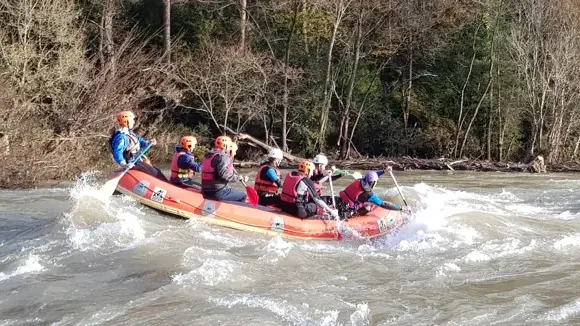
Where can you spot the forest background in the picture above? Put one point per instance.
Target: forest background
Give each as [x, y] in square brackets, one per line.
[493, 80]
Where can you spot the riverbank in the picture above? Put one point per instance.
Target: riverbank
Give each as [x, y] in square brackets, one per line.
[408, 164]
[362, 164]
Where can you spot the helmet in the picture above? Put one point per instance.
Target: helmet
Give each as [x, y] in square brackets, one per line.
[276, 154]
[320, 159]
[233, 149]
[223, 142]
[188, 142]
[124, 117]
[306, 167]
[371, 178]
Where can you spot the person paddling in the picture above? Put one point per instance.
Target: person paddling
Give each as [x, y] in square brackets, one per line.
[360, 191]
[268, 179]
[183, 164]
[217, 171]
[320, 173]
[125, 145]
[299, 196]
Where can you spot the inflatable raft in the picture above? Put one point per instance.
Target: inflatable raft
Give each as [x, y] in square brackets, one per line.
[189, 203]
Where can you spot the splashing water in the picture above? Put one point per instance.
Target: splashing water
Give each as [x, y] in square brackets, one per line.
[478, 249]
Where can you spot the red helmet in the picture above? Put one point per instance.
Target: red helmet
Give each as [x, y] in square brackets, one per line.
[188, 142]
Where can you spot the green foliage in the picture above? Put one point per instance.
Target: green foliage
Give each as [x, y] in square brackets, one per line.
[422, 75]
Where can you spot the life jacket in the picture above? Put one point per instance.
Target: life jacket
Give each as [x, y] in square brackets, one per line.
[132, 149]
[178, 173]
[210, 181]
[289, 188]
[318, 188]
[263, 184]
[351, 193]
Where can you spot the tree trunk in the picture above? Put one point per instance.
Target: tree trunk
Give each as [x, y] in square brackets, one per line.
[352, 81]
[285, 98]
[106, 44]
[243, 23]
[327, 94]
[167, 30]
[461, 118]
[407, 107]
[500, 127]
[473, 118]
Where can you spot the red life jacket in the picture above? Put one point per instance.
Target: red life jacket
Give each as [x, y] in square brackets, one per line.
[351, 193]
[318, 188]
[289, 191]
[263, 184]
[210, 181]
[176, 172]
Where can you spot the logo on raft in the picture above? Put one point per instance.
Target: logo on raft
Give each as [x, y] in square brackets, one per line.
[277, 224]
[158, 194]
[141, 188]
[208, 208]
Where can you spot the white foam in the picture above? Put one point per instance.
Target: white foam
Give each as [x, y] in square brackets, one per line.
[568, 241]
[31, 265]
[275, 249]
[212, 272]
[494, 249]
[282, 308]
[125, 232]
[564, 312]
[361, 315]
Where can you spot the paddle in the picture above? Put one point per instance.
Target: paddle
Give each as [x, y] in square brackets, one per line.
[355, 175]
[109, 187]
[332, 195]
[253, 197]
[399, 189]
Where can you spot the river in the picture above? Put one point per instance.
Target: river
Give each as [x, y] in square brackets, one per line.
[480, 249]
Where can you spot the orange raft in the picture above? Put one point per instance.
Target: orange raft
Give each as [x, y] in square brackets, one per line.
[189, 203]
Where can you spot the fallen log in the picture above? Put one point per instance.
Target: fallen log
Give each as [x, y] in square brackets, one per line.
[258, 143]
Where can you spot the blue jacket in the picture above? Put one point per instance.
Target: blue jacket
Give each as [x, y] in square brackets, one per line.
[119, 143]
[186, 161]
[379, 202]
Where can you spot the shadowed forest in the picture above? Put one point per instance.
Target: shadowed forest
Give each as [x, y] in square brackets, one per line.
[492, 80]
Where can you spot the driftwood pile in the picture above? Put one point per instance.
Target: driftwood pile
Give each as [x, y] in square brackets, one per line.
[408, 163]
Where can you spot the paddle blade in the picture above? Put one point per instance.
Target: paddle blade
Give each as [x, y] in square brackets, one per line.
[109, 187]
[253, 197]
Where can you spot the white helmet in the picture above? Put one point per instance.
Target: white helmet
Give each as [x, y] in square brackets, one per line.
[320, 159]
[276, 154]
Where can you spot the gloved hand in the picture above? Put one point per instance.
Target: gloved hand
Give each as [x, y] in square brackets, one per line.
[333, 169]
[243, 178]
[334, 213]
[153, 141]
[128, 165]
[388, 169]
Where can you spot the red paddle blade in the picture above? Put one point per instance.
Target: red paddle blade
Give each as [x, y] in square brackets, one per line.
[253, 197]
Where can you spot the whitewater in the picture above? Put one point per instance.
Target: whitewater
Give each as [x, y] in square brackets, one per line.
[479, 249]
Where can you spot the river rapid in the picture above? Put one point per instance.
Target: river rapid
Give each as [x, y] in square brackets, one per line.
[480, 249]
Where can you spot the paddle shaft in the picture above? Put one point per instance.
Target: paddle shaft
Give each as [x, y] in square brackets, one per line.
[252, 194]
[138, 157]
[398, 188]
[108, 188]
[332, 194]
